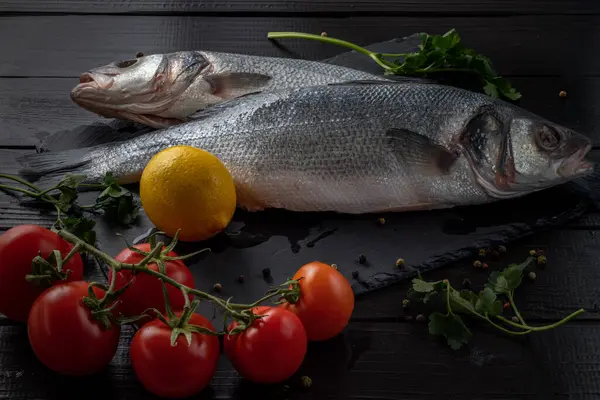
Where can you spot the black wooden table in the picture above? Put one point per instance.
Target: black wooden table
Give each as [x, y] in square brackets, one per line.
[544, 46]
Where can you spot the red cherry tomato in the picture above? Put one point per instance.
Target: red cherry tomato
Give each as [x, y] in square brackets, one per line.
[179, 371]
[146, 290]
[64, 335]
[271, 350]
[326, 301]
[18, 247]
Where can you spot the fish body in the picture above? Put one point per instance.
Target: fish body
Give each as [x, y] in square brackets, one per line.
[161, 90]
[357, 148]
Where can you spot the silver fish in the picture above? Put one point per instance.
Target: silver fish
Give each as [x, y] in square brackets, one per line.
[161, 90]
[356, 148]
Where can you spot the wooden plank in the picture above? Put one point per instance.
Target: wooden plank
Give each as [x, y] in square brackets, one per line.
[369, 361]
[34, 106]
[161, 7]
[589, 221]
[70, 45]
[569, 282]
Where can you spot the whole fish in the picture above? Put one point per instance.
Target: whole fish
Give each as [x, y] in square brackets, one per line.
[161, 90]
[357, 147]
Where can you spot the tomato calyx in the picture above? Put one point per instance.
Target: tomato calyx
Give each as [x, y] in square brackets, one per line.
[292, 294]
[98, 309]
[244, 320]
[180, 325]
[289, 291]
[46, 271]
[160, 257]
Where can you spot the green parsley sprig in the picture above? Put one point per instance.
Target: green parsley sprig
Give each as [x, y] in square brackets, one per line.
[486, 305]
[437, 53]
[116, 203]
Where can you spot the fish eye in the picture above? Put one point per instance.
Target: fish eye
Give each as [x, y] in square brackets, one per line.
[548, 138]
[125, 64]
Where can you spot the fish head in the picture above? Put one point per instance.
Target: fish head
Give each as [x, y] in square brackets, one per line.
[138, 89]
[517, 153]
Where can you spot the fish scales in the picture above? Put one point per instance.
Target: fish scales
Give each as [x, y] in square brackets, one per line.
[351, 148]
[162, 90]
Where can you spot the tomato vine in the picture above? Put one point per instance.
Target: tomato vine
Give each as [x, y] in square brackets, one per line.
[289, 291]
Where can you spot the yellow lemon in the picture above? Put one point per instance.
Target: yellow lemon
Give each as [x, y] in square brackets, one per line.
[187, 188]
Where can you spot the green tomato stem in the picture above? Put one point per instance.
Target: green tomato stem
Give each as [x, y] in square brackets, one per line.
[236, 306]
[73, 251]
[141, 267]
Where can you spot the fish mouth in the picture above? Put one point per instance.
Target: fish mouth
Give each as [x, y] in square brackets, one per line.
[576, 164]
[89, 81]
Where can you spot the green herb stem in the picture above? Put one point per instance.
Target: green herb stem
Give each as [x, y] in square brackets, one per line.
[510, 296]
[338, 42]
[448, 306]
[20, 180]
[446, 69]
[520, 333]
[436, 53]
[20, 190]
[541, 328]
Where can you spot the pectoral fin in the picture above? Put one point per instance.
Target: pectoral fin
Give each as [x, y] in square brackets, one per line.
[230, 85]
[420, 152]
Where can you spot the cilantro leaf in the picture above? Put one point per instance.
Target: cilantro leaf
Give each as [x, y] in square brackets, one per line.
[68, 191]
[509, 279]
[72, 181]
[463, 301]
[446, 53]
[118, 203]
[487, 303]
[421, 286]
[435, 54]
[490, 89]
[451, 327]
[447, 41]
[429, 296]
[67, 198]
[81, 227]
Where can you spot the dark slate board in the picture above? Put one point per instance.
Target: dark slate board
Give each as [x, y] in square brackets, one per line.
[282, 241]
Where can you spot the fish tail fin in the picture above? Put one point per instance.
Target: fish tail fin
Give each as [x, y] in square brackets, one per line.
[48, 168]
